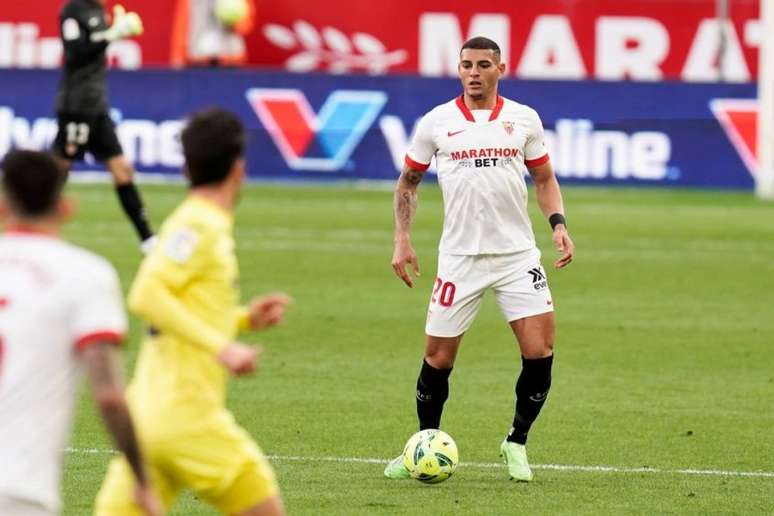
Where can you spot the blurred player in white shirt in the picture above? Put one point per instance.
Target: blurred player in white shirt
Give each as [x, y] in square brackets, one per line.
[60, 311]
[484, 145]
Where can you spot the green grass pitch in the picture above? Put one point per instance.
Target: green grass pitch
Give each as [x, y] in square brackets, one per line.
[663, 356]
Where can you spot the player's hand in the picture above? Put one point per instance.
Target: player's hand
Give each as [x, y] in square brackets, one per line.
[147, 500]
[402, 256]
[240, 359]
[564, 245]
[125, 24]
[268, 310]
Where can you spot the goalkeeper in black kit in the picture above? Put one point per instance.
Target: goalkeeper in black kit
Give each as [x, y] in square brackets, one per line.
[82, 106]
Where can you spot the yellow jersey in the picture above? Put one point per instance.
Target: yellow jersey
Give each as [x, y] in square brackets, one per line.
[186, 292]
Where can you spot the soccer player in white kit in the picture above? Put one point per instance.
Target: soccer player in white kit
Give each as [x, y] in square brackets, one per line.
[60, 311]
[484, 145]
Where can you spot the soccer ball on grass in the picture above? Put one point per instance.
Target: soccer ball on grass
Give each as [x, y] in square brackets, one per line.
[431, 456]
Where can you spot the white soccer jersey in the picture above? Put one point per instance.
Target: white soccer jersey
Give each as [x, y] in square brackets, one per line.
[482, 157]
[55, 299]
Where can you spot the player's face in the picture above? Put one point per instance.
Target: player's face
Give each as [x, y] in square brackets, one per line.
[479, 71]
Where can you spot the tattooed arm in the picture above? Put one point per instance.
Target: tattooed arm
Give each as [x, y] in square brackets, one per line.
[104, 370]
[404, 208]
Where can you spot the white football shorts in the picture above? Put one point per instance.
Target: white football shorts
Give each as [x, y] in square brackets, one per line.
[519, 282]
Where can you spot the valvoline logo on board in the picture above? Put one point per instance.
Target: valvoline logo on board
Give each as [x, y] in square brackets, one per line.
[739, 119]
[324, 141]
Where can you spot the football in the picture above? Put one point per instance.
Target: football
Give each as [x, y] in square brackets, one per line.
[431, 456]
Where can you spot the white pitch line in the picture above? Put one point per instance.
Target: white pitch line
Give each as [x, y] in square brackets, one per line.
[554, 467]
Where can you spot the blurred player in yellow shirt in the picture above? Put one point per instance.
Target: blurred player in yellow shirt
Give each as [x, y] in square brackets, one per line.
[186, 291]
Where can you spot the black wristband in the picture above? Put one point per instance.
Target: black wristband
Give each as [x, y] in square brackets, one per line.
[556, 218]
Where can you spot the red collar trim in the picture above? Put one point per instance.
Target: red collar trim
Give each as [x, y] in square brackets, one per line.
[465, 111]
[498, 107]
[469, 116]
[21, 229]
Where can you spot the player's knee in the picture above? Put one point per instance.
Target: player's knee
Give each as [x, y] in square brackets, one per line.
[440, 358]
[121, 170]
[538, 346]
[538, 349]
[441, 352]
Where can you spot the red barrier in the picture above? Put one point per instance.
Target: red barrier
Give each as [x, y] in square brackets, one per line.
[565, 39]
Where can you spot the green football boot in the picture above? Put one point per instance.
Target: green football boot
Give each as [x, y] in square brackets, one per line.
[515, 456]
[396, 469]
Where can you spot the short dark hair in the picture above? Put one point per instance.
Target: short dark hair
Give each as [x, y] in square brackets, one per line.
[212, 140]
[32, 182]
[481, 43]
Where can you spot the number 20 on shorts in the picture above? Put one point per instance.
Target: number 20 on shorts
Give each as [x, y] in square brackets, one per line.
[443, 293]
